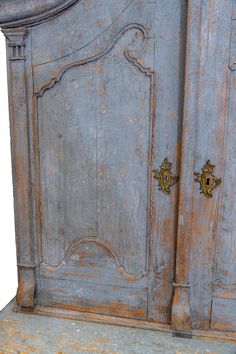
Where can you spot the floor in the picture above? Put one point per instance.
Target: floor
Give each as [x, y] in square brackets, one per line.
[27, 333]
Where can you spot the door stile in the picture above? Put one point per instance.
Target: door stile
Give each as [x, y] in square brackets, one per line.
[180, 314]
[205, 106]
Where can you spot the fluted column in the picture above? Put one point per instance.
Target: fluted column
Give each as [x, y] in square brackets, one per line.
[16, 41]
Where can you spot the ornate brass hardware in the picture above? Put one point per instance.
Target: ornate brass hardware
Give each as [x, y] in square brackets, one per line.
[165, 177]
[208, 182]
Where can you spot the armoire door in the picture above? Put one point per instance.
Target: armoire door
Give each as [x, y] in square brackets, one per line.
[207, 192]
[104, 96]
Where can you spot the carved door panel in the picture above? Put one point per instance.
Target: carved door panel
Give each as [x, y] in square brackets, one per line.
[207, 209]
[223, 315]
[106, 112]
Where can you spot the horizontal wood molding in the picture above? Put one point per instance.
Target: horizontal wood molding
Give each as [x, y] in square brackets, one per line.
[28, 12]
[126, 322]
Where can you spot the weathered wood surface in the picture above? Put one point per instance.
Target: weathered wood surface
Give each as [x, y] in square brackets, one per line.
[97, 102]
[28, 334]
[14, 13]
[19, 124]
[206, 257]
[95, 133]
[224, 281]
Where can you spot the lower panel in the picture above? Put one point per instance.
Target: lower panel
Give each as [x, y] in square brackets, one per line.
[224, 314]
[100, 299]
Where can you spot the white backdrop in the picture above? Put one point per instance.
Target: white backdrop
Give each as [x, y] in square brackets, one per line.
[8, 273]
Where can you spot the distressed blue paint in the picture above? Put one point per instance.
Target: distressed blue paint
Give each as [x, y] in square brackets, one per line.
[97, 101]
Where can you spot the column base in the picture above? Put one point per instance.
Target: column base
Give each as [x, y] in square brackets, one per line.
[26, 286]
[180, 317]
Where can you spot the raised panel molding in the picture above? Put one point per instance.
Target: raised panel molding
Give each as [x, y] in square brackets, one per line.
[137, 39]
[128, 52]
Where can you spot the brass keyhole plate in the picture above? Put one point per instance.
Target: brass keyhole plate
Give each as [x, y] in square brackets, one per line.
[208, 182]
[165, 177]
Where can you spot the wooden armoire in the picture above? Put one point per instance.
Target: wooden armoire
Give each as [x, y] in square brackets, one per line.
[123, 125]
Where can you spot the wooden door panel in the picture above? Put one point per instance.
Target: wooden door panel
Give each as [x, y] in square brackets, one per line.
[103, 227]
[224, 286]
[207, 225]
[95, 160]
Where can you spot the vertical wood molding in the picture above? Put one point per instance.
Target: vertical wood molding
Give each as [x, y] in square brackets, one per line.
[180, 313]
[205, 112]
[15, 39]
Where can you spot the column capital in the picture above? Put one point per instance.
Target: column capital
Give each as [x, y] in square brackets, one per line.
[16, 41]
[15, 35]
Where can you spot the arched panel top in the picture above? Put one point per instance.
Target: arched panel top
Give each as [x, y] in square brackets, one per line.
[22, 12]
[129, 55]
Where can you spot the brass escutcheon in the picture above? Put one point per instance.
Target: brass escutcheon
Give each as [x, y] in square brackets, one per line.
[165, 177]
[208, 182]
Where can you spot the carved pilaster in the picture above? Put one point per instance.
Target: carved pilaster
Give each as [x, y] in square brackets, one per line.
[15, 38]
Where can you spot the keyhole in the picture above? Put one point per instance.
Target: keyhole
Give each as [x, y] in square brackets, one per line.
[208, 181]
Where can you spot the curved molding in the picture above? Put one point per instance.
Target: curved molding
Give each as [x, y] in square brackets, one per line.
[92, 239]
[16, 13]
[132, 59]
[100, 243]
[143, 30]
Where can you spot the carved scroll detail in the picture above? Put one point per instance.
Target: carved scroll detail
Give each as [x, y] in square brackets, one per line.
[143, 31]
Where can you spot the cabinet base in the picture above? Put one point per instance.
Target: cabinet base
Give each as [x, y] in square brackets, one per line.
[124, 322]
[28, 333]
